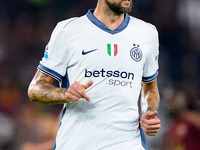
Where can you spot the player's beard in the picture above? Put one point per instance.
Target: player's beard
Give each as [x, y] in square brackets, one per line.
[117, 8]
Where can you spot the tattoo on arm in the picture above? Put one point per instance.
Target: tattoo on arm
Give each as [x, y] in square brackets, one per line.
[34, 97]
[41, 90]
[152, 104]
[150, 92]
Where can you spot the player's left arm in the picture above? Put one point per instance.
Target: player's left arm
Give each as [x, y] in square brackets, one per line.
[150, 123]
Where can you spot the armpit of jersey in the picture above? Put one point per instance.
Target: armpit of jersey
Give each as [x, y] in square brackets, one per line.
[50, 72]
[150, 78]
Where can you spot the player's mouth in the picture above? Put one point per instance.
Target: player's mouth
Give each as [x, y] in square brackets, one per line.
[126, 1]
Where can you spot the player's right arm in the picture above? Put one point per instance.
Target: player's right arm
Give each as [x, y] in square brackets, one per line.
[41, 90]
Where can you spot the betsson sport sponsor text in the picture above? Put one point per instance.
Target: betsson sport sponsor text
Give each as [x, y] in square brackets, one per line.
[116, 74]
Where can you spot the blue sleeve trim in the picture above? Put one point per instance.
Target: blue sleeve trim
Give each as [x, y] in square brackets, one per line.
[150, 78]
[50, 72]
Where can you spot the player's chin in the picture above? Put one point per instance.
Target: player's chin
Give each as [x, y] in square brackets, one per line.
[127, 8]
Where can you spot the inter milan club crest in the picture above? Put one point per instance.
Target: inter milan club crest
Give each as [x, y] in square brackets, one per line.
[136, 53]
[112, 49]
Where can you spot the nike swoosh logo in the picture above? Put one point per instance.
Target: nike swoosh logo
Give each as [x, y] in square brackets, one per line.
[84, 53]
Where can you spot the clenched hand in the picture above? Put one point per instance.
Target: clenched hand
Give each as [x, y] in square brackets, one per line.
[77, 91]
[150, 124]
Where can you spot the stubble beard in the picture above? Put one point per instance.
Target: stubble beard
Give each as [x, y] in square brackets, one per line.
[117, 9]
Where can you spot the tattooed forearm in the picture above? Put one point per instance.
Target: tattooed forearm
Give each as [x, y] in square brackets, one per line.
[50, 94]
[100, 1]
[153, 104]
[41, 90]
[151, 94]
[144, 91]
[34, 97]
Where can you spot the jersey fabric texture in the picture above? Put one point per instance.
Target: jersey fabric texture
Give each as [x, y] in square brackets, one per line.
[83, 49]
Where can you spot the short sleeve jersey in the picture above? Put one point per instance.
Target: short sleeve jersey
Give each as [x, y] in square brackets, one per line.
[83, 49]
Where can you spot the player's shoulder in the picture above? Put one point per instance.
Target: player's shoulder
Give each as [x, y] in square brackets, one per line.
[148, 27]
[64, 23]
[71, 22]
[68, 26]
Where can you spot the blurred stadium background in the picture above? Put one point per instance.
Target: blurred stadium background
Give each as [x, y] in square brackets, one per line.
[25, 28]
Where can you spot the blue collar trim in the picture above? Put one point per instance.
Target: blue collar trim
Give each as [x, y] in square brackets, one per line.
[99, 24]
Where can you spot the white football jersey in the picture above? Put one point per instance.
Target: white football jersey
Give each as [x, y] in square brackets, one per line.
[83, 49]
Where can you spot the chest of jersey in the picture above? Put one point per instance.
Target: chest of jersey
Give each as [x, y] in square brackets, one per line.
[104, 55]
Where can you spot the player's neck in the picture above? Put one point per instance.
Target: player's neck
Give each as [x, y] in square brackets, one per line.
[108, 18]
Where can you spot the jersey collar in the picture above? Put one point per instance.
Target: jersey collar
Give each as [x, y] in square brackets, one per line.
[99, 24]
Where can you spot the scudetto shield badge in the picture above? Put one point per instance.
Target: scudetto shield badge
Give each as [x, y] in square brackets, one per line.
[112, 49]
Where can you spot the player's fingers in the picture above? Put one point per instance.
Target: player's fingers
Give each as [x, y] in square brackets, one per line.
[151, 127]
[87, 85]
[150, 131]
[73, 94]
[150, 122]
[76, 91]
[86, 97]
[72, 97]
[150, 114]
[82, 92]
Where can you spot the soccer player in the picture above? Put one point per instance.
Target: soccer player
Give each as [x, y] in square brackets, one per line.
[104, 61]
